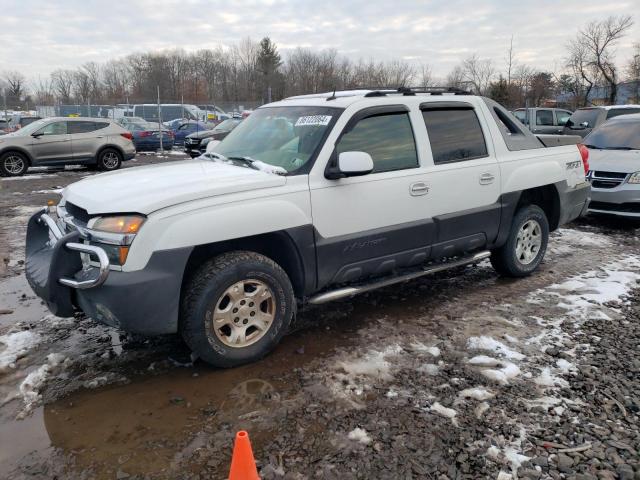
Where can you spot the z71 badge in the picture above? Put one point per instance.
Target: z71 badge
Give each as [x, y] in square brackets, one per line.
[571, 165]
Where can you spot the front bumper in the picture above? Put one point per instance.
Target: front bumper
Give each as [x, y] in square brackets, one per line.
[146, 301]
[622, 201]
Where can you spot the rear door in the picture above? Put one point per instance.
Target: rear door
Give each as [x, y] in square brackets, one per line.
[562, 116]
[51, 144]
[464, 179]
[86, 137]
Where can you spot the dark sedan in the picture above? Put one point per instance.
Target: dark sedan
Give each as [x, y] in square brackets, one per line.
[146, 137]
[196, 143]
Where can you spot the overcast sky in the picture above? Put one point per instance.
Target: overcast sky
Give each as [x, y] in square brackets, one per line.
[37, 37]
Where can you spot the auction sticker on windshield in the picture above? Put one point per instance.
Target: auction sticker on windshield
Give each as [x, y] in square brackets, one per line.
[313, 120]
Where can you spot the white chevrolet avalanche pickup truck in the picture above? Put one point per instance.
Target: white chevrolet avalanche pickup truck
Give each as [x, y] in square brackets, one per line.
[310, 199]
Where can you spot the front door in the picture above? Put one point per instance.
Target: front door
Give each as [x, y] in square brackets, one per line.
[373, 224]
[51, 144]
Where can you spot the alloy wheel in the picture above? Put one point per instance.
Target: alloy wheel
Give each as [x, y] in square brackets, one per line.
[14, 164]
[243, 314]
[528, 242]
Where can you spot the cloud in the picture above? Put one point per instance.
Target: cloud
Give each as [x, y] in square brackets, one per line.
[39, 36]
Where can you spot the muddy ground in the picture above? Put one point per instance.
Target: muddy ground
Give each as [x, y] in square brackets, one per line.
[459, 375]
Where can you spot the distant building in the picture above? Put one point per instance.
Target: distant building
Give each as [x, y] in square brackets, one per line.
[628, 93]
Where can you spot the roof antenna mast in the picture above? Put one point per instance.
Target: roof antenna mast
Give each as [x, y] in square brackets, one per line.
[333, 95]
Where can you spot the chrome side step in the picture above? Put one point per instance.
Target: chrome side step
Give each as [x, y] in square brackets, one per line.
[339, 293]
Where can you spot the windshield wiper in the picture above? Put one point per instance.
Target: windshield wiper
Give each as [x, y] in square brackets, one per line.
[248, 161]
[260, 165]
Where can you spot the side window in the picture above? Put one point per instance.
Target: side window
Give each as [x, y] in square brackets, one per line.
[388, 138]
[454, 134]
[101, 125]
[81, 127]
[55, 128]
[521, 115]
[616, 112]
[544, 117]
[562, 116]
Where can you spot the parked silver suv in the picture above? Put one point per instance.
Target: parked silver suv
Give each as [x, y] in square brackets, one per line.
[65, 141]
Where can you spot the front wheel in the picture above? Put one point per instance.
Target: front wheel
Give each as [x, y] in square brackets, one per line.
[13, 164]
[236, 308]
[109, 159]
[526, 244]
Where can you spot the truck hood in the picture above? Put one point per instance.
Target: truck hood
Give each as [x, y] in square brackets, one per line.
[152, 187]
[623, 161]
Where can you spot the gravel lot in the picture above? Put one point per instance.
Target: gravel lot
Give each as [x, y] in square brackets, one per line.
[462, 375]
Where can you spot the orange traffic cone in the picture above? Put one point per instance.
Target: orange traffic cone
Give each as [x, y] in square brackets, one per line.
[243, 466]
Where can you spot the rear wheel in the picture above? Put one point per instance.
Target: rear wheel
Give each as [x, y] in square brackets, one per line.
[526, 244]
[236, 308]
[13, 164]
[109, 159]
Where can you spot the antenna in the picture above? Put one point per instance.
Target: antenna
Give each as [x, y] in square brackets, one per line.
[333, 95]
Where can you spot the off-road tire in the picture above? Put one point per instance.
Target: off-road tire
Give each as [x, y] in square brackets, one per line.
[203, 291]
[105, 160]
[5, 171]
[505, 260]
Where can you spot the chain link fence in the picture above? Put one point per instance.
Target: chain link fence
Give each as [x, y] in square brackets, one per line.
[150, 110]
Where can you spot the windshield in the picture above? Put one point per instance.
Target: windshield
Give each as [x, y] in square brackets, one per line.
[285, 137]
[29, 129]
[584, 115]
[622, 135]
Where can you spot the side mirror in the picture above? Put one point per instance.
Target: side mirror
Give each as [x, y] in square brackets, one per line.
[584, 124]
[37, 134]
[351, 164]
[211, 145]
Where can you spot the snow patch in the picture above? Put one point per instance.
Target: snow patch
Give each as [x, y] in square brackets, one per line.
[502, 375]
[359, 435]
[477, 393]
[488, 343]
[445, 412]
[17, 345]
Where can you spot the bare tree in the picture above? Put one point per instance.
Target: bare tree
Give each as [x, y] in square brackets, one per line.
[478, 73]
[426, 76]
[511, 61]
[598, 39]
[63, 81]
[15, 89]
[582, 69]
[633, 72]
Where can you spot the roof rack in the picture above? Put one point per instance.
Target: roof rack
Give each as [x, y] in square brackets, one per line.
[411, 91]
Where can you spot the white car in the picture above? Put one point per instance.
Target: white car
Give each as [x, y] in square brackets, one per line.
[310, 199]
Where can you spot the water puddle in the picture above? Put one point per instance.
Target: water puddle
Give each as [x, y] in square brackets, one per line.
[18, 302]
[157, 424]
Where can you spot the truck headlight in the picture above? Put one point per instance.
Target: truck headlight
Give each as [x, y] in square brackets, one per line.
[114, 234]
[126, 224]
[634, 178]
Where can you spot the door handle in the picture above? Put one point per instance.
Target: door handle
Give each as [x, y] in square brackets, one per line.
[419, 188]
[486, 178]
[100, 136]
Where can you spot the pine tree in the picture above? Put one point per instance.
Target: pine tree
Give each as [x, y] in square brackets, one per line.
[269, 62]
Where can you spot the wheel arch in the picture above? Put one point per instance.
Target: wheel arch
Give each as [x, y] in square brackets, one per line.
[281, 246]
[112, 146]
[21, 150]
[547, 198]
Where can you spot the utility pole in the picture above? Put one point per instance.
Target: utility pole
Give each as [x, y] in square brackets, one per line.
[160, 121]
[4, 95]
